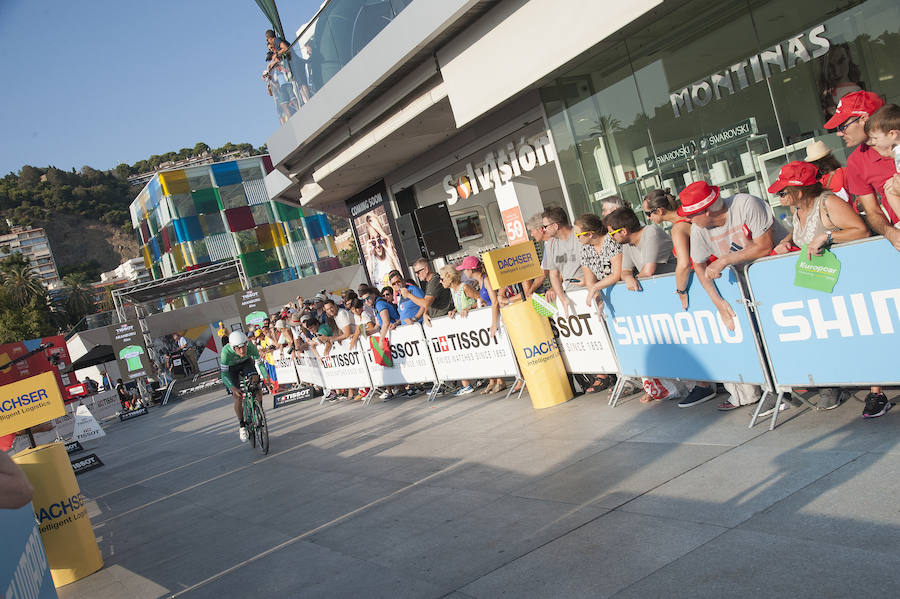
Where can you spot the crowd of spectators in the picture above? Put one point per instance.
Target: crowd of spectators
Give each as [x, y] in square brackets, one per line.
[829, 204]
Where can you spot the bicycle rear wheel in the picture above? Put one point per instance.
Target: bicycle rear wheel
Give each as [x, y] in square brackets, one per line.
[261, 430]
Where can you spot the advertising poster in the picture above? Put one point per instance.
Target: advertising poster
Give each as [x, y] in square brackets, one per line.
[24, 571]
[53, 357]
[128, 346]
[251, 307]
[375, 233]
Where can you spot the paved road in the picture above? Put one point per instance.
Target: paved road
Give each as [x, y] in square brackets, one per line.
[485, 497]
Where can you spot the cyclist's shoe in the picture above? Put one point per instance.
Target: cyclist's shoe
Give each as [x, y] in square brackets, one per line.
[244, 434]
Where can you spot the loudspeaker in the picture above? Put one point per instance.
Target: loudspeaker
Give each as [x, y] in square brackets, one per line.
[409, 238]
[437, 230]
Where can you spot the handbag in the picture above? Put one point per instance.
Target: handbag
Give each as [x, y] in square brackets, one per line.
[381, 350]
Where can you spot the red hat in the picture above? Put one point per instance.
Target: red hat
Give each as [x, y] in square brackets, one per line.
[795, 174]
[697, 197]
[470, 262]
[860, 103]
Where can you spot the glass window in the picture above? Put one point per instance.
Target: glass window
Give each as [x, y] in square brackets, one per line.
[198, 178]
[250, 170]
[232, 196]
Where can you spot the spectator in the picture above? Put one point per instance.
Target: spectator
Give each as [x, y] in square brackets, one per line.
[734, 231]
[105, 384]
[90, 385]
[364, 320]
[601, 266]
[386, 316]
[867, 170]
[279, 46]
[343, 321]
[473, 268]
[659, 207]
[387, 292]
[127, 397]
[562, 256]
[464, 299]
[187, 351]
[406, 308]
[867, 173]
[536, 232]
[646, 250]
[437, 301]
[883, 129]
[832, 175]
[820, 218]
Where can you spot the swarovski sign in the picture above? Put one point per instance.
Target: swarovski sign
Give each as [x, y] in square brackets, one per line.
[785, 56]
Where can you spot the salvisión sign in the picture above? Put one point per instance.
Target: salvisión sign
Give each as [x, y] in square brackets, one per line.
[785, 56]
[499, 167]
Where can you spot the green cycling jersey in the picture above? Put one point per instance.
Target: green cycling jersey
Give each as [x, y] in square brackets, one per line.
[230, 358]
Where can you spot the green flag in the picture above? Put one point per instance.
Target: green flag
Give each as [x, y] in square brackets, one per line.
[819, 273]
[542, 306]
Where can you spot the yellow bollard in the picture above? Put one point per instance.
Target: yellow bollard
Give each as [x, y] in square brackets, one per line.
[65, 527]
[537, 352]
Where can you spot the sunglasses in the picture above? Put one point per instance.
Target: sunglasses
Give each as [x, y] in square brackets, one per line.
[545, 227]
[843, 126]
[647, 213]
[376, 242]
[782, 193]
[614, 231]
[418, 271]
[398, 282]
[582, 234]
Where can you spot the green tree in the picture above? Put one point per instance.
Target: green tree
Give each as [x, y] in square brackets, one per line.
[19, 282]
[79, 300]
[200, 148]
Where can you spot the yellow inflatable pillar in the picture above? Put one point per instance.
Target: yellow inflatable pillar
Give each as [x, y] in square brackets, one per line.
[62, 517]
[537, 352]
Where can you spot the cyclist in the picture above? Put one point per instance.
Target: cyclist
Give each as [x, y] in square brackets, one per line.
[239, 358]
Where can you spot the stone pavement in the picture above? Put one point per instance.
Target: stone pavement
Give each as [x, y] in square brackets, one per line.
[485, 497]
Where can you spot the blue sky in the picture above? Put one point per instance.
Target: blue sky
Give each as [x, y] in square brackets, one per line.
[100, 82]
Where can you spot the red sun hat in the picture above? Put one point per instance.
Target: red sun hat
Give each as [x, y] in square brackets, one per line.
[795, 174]
[860, 103]
[697, 197]
[470, 262]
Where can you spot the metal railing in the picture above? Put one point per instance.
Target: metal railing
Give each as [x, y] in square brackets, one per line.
[337, 32]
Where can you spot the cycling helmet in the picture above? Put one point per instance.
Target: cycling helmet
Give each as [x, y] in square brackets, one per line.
[237, 338]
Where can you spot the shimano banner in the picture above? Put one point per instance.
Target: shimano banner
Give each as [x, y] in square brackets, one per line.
[462, 348]
[412, 362]
[583, 340]
[847, 337]
[654, 337]
[343, 368]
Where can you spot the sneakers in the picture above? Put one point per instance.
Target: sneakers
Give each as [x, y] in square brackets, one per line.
[697, 396]
[386, 395]
[832, 397]
[876, 405]
[464, 391]
[411, 392]
[244, 434]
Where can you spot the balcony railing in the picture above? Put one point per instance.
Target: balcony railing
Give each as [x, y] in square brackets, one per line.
[337, 32]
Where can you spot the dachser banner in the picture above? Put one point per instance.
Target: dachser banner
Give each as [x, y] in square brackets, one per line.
[30, 402]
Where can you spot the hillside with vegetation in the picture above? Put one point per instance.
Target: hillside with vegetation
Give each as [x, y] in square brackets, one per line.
[85, 212]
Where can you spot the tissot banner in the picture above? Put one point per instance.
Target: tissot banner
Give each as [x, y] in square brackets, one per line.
[285, 373]
[847, 337]
[308, 368]
[343, 368]
[583, 340]
[251, 307]
[462, 348]
[412, 363]
[654, 337]
[131, 353]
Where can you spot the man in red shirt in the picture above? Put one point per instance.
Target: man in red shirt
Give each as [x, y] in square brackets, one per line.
[867, 170]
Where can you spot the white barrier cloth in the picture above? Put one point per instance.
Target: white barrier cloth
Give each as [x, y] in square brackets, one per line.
[284, 367]
[583, 339]
[307, 366]
[409, 351]
[86, 427]
[462, 348]
[344, 369]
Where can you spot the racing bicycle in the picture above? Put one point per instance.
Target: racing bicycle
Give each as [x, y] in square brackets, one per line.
[254, 416]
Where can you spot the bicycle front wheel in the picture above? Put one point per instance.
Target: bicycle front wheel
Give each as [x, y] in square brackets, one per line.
[261, 431]
[250, 419]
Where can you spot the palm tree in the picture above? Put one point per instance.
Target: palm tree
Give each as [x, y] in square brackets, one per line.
[20, 283]
[79, 298]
